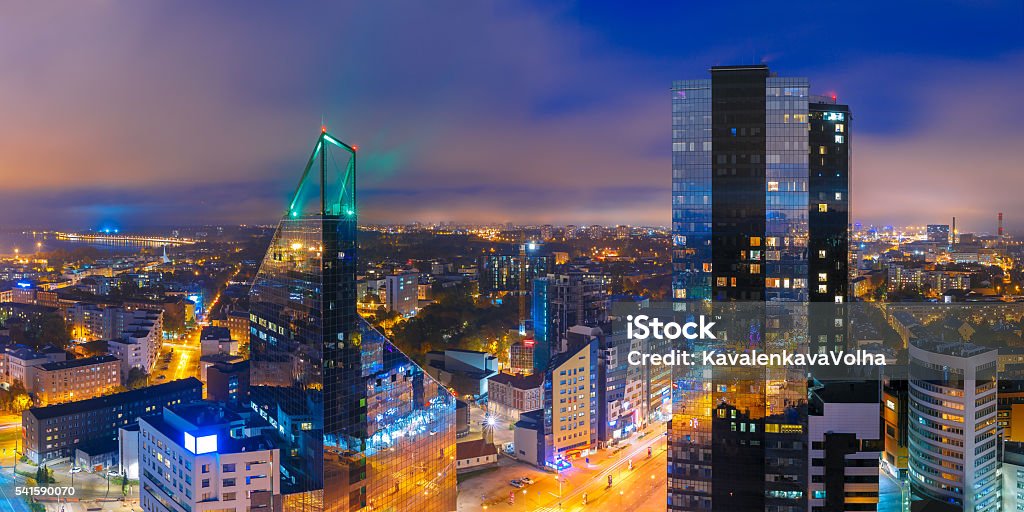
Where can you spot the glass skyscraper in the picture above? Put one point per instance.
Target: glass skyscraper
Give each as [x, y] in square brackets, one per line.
[746, 214]
[359, 425]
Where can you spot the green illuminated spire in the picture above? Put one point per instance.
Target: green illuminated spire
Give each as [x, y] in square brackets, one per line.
[337, 187]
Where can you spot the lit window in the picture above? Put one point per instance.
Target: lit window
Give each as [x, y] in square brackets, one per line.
[839, 299]
[822, 277]
[821, 150]
[839, 128]
[839, 140]
[822, 288]
[822, 208]
[839, 196]
[821, 253]
[773, 186]
[755, 241]
[755, 268]
[722, 281]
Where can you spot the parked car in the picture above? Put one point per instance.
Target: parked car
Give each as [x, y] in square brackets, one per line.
[518, 484]
[527, 480]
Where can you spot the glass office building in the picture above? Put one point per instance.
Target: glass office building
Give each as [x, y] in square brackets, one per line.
[742, 215]
[359, 425]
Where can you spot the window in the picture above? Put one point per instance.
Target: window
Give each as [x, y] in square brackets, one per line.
[822, 207]
[839, 140]
[206, 468]
[839, 128]
[755, 241]
[755, 268]
[839, 196]
[822, 277]
[228, 482]
[773, 186]
[229, 468]
[822, 150]
[822, 288]
[721, 281]
[230, 496]
[206, 482]
[821, 253]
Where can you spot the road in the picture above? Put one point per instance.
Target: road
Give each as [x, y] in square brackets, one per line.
[184, 361]
[639, 489]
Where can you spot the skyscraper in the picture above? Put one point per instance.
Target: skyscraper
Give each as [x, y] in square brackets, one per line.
[357, 423]
[754, 222]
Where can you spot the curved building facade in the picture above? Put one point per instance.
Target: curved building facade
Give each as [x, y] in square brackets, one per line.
[952, 417]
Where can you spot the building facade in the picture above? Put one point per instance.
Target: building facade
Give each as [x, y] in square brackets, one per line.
[357, 423]
[759, 218]
[511, 395]
[401, 293]
[55, 431]
[193, 459]
[77, 379]
[953, 433]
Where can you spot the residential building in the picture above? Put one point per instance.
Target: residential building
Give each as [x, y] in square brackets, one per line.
[140, 342]
[571, 404]
[53, 432]
[500, 272]
[217, 340]
[402, 293]
[196, 458]
[75, 379]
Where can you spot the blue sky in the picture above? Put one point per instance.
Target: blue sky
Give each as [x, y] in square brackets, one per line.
[523, 111]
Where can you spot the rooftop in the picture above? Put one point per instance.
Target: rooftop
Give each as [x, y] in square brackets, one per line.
[519, 381]
[76, 363]
[473, 449]
[54, 411]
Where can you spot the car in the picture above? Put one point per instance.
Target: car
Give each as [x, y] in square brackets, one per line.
[518, 484]
[527, 480]
[75, 469]
[113, 473]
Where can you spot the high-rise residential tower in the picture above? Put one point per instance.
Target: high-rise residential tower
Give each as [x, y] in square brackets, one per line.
[358, 425]
[760, 224]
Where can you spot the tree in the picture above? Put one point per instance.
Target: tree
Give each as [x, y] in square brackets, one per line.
[53, 330]
[137, 378]
[20, 400]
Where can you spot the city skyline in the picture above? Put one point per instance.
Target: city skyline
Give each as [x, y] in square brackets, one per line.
[173, 117]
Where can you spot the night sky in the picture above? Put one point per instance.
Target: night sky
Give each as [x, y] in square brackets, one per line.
[160, 113]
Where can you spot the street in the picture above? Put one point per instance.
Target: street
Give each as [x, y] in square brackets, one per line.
[640, 488]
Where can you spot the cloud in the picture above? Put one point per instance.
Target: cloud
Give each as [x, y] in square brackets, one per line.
[167, 114]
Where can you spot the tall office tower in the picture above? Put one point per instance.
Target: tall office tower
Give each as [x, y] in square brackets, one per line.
[359, 426]
[953, 432]
[755, 226]
[561, 301]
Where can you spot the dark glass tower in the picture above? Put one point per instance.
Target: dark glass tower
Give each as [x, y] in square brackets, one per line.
[745, 225]
[359, 425]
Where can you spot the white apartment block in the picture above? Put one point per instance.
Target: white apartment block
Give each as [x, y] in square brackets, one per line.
[190, 461]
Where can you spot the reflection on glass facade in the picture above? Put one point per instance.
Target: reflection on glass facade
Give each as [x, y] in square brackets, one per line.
[741, 221]
[359, 425]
